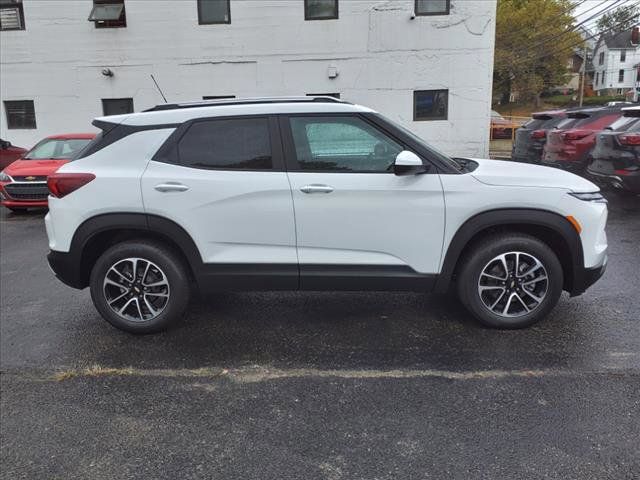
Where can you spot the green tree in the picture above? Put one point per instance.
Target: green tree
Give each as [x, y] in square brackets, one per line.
[621, 19]
[534, 42]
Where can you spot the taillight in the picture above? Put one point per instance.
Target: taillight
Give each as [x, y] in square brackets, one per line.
[539, 134]
[629, 139]
[575, 134]
[61, 184]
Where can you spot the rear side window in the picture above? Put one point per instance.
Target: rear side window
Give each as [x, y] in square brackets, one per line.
[230, 144]
[622, 124]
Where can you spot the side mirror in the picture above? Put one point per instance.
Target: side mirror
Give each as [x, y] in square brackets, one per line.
[408, 163]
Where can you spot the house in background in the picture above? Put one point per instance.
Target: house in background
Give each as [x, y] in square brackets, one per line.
[615, 61]
[425, 63]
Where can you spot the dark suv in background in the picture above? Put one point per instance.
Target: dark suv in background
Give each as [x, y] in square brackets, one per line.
[569, 145]
[616, 156]
[531, 137]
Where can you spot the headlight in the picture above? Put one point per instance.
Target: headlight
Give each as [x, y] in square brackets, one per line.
[4, 177]
[595, 197]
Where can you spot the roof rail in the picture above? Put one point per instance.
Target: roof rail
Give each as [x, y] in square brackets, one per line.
[245, 101]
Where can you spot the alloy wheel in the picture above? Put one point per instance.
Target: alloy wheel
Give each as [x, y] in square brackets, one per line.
[513, 284]
[136, 289]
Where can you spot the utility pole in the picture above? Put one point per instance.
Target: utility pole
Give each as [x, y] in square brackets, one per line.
[584, 73]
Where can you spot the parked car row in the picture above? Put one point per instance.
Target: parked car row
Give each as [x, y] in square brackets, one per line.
[23, 181]
[602, 144]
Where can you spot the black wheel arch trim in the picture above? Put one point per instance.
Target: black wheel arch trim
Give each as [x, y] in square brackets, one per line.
[523, 217]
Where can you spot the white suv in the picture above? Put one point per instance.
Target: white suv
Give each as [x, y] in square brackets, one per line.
[311, 194]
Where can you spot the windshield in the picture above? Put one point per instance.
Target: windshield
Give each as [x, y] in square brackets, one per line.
[56, 148]
[436, 153]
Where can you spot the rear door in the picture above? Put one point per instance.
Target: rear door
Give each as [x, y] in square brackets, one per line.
[223, 181]
[358, 225]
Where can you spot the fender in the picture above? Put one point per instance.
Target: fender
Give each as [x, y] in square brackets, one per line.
[518, 217]
[76, 271]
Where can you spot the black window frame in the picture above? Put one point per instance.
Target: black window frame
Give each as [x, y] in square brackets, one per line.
[202, 22]
[13, 126]
[308, 18]
[120, 23]
[105, 114]
[430, 119]
[169, 152]
[601, 58]
[621, 75]
[6, 5]
[623, 56]
[447, 10]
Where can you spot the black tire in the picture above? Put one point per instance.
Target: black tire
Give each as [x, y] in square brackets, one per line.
[18, 211]
[482, 253]
[170, 266]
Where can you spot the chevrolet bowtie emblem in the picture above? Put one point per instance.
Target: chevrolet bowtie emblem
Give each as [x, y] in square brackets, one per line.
[30, 178]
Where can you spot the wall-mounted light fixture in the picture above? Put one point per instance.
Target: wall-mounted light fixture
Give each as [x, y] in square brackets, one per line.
[332, 72]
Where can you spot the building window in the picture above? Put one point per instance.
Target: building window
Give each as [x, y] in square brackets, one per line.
[334, 95]
[430, 105]
[117, 106]
[11, 15]
[217, 97]
[603, 77]
[620, 76]
[601, 58]
[597, 77]
[211, 12]
[320, 9]
[21, 114]
[108, 14]
[432, 7]
[623, 55]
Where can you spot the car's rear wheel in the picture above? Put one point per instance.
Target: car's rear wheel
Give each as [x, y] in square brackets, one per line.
[140, 286]
[510, 281]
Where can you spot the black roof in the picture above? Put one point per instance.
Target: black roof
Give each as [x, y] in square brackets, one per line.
[618, 40]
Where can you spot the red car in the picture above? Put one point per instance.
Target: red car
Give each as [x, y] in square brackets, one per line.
[23, 184]
[9, 153]
[571, 142]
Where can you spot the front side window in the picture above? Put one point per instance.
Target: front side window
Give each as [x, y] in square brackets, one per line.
[108, 14]
[430, 105]
[432, 7]
[117, 106]
[230, 144]
[320, 9]
[21, 114]
[211, 12]
[342, 144]
[54, 148]
[11, 15]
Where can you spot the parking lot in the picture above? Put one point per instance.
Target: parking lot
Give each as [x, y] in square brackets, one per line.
[318, 385]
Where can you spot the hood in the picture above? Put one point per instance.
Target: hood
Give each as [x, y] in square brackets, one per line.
[515, 174]
[34, 167]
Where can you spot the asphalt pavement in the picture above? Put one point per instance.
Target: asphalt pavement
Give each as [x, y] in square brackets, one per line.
[318, 385]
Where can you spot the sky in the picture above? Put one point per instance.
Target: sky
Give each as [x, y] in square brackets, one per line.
[589, 8]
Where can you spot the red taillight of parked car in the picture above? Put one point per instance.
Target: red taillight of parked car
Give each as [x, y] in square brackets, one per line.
[575, 134]
[539, 134]
[61, 184]
[629, 139]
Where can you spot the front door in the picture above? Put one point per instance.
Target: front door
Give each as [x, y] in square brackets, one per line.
[358, 225]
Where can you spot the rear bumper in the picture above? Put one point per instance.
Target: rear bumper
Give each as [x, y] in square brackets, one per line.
[586, 277]
[627, 182]
[66, 267]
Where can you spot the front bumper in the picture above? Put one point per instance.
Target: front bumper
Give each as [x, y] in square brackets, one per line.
[586, 277]
[66, 267]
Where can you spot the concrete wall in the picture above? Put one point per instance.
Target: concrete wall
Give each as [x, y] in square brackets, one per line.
[382, 56]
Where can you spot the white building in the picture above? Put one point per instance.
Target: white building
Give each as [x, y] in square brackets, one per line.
[425, 63]
[615, 60]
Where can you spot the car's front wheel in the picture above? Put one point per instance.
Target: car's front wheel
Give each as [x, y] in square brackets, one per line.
[140, 286]
[510, 281]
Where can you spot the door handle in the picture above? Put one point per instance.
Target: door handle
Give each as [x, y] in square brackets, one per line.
[171, 187]
[316, 188]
